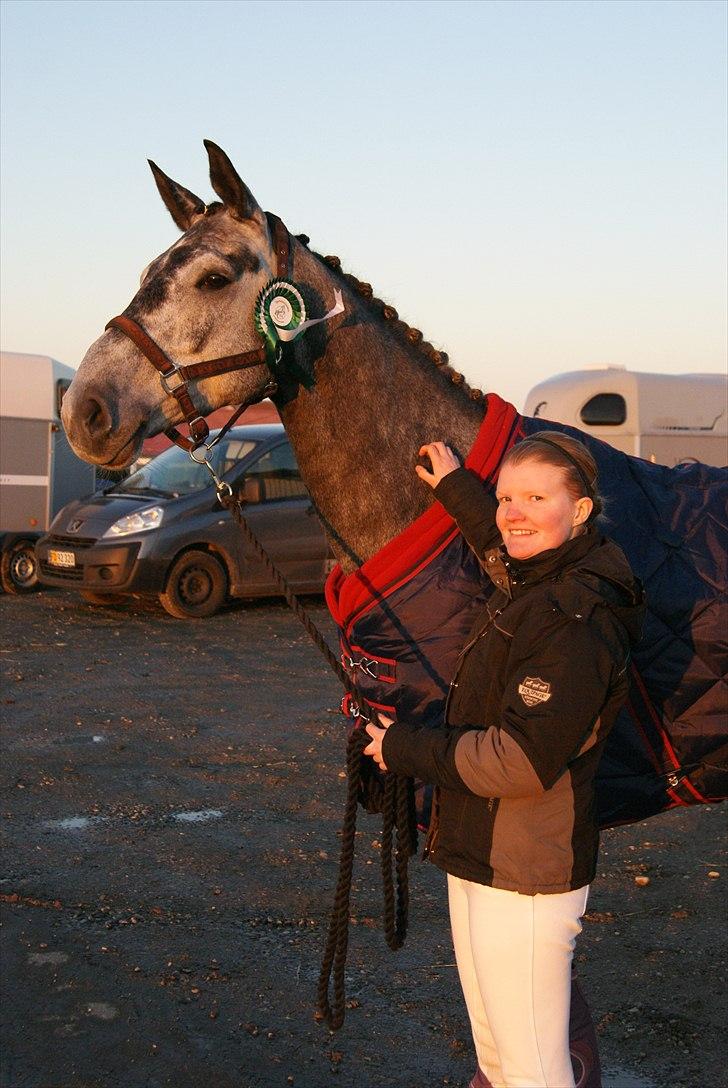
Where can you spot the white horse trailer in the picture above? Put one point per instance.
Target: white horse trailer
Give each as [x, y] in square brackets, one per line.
[39, 473]
[666, 418]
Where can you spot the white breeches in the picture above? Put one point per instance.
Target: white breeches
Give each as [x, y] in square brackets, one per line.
[514, 956]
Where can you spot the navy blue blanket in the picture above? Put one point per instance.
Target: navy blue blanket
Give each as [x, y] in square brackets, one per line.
[404, 614]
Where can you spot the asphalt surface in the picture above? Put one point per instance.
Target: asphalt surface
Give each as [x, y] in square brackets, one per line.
[172, 796]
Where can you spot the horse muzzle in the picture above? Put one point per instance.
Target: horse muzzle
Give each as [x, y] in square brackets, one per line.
[93, 431]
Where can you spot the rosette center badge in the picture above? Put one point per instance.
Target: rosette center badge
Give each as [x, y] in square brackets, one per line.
[281, 311]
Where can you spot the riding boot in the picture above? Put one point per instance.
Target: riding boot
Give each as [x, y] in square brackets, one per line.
[583, 1041]
[480, 1080]
[582, 1045]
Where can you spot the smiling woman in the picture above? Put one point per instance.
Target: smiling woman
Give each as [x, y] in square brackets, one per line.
[536, 691]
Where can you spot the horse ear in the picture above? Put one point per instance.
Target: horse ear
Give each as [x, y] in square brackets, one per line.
[183, 206]
[232, 190]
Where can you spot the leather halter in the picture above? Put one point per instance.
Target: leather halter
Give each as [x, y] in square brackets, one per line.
[180, 375]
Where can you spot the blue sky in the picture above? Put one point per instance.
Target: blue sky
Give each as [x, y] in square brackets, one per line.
[539, 186]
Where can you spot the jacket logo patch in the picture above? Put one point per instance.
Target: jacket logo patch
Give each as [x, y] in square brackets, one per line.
[534, 690]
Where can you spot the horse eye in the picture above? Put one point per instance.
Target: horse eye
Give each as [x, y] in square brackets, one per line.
[213, 282]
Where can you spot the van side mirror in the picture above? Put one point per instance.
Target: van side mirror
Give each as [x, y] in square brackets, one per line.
[251, 490]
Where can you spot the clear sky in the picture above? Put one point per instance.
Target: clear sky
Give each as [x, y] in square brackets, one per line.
[539, 186]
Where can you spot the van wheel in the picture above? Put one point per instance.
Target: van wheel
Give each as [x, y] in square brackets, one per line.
[196, 586]
[90, 597]
[19, 567]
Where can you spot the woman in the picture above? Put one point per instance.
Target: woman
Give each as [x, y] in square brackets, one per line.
[536, 690]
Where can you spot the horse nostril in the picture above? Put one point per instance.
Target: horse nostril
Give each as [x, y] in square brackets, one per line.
[96, 417]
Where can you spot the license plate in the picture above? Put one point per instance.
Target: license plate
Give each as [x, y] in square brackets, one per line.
[61, 559]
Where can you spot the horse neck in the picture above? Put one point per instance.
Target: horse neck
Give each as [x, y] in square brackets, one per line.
[372, 401]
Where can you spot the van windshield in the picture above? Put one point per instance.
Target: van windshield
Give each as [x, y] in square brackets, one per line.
[173, 472]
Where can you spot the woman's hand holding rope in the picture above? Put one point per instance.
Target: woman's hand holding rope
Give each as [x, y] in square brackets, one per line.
[374, 748]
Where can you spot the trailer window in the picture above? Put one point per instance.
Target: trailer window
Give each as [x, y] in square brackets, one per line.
[604, 410]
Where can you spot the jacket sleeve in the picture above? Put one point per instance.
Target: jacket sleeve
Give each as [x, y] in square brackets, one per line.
[424, 753]
[557, 683]
[467, 499]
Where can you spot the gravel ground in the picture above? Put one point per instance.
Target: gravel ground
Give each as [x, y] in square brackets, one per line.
[172, 799]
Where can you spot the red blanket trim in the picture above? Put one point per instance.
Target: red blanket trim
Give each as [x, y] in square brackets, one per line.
[418, 544]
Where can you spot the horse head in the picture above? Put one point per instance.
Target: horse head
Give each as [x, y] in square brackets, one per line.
[360, 381]
[196, 301]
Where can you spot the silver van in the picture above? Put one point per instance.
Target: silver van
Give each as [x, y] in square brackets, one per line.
[162, 531]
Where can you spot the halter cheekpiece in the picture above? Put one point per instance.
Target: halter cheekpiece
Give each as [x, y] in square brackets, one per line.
[175, 376]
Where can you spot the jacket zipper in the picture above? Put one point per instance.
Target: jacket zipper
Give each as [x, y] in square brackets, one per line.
[430, 843]
[490, 622]
[434, 825]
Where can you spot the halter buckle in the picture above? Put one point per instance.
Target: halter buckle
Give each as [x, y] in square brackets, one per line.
[203, 431]
[164, 379]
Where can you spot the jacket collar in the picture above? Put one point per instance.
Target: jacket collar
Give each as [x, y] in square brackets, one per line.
[508, 574]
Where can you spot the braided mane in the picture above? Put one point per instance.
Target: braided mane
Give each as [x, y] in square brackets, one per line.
[408, 335]
[411, 337]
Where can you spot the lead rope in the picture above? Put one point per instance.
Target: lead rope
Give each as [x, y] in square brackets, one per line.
[397, 809]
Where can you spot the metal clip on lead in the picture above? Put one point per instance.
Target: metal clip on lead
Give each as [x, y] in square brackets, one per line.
[222, 487]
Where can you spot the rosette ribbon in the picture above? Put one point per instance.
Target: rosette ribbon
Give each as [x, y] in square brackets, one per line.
[280, 316]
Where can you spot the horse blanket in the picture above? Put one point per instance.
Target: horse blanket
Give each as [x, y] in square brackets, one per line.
[404, 615]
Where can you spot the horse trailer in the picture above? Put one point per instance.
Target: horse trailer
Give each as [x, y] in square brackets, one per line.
[39, 472]
[664, 418]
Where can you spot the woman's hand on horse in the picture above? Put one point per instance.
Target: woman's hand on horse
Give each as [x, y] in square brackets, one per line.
[443, 462]
[374, 748]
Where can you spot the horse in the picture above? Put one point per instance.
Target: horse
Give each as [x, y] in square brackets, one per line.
[366, 382]
[359, 393]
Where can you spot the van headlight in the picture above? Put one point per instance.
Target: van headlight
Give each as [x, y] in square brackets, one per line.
[139, 522]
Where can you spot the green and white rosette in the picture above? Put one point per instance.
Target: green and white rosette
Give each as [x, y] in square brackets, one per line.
[280, 316]
[279, 308]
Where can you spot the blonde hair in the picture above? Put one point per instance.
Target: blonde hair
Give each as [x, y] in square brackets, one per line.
[564, 452]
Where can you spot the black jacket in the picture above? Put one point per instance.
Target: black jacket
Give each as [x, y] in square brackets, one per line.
[537, 688]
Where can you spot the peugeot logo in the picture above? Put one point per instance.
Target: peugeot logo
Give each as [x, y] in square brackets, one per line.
[74, 525]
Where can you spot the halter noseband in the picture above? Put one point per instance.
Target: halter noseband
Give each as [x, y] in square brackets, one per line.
[181, 375]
